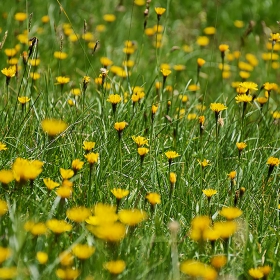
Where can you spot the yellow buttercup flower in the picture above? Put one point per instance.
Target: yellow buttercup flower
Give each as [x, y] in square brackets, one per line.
[50, 184]
[115, 267]
[119, 193]
[9, 72]
[83, 251]
[165, 72]
[92, 157]
[88, 145]
[23, 99]
[153, 198]
[66, 173]
[6, 176]
[132, 217]
[42, 257]
[120, 126]
[241, 146]
[197, 269]
[171, 155]
[58, 226]
[53, 127]
[230, 213]
[243, 98]
[62, 80]
[217, 107]
[140, 140]
[209, 192]
[114, 98]
[78, 214]
[3, 207]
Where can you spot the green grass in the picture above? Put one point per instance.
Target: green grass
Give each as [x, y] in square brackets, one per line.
[148, 249]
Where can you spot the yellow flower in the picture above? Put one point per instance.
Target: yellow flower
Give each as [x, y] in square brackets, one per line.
[160, 11]
[45, 19]
[120, 126]
[223, 47]
[243, 98]
[78, 214]
[9, 72]
[225, 229]
[209, 192]
[249, 85]
[172, 177]
[114, 98]
[201, 120]
[8, 272]
[112, 232]
[142, 151]
[66, 173]
[275, 37]
[3, 147]
[270, 86]
[92, 157]
[109, 17]
[204, 163]
[230, 213]
[261, 100]
[218, 261]
[140, 140]
[119, 193]
[87, 145]
[62, 80]
[6, 176]
[153, 198]
[5, 253]
[58, 226]
[210, 30]
[154, 109]
[38, 229]
[232, 175]
[23, 99]
[105, 61]
[197, 269]
[66, 258]
[272, 161]
[165, 72]
[202, 41]
[60, 55]
[192, 116]
[67, 273]
[83, 251]
[132, 217]
[245, 66]
[265, 269]
[35, 75]
[20, 16]
[115, 267]
[179, 67]
[10, 52]
[241, 145]
[171, 155]
[256, 273]
[50, 184]
[42, 257]
[238, 23]
[64, 191]
[53, 127]
[25, 170]
[77, 164]
[244, 75]
[200, 62]
[217, 107]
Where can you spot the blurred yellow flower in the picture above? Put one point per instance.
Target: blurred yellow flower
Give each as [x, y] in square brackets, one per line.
[115, 267]
[132, 217]
[53, 127]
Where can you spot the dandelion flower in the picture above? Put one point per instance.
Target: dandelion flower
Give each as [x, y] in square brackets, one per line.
[230, 213]
[119, 193]
[78, 214]
[209, 192]
[115, 267]
[92, 157]
[132, 217]
[256, 273]
[50, 184]
[217, 107]
[62, 80]
[140, 140]
[53, 127]
[42, 257]
[153, 198]
[83, 251]
[58, 226]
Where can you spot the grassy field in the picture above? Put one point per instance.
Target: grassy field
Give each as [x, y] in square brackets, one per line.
[139, 140]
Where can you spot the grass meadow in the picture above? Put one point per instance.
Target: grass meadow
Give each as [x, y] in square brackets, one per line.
[139, 139]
